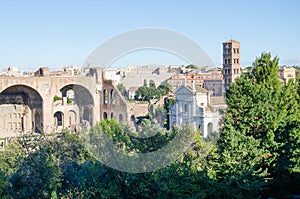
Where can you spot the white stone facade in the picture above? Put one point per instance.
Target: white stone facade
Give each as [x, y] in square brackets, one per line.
[193, 108]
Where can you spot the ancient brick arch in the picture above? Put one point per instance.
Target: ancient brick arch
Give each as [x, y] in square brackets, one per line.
[83, 99]
[20, 94]
[46, 87]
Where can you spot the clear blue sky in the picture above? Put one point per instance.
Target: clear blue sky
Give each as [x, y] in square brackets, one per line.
[64, 32]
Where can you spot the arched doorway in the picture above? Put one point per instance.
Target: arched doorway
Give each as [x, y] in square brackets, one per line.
[105, 115]
[31, 102]
[81, 97]
[59, 119]
[71, 116]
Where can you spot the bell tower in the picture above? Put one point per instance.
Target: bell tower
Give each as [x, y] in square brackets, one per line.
[231, 62]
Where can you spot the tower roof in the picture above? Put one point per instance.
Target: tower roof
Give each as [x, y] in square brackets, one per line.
[231, 41]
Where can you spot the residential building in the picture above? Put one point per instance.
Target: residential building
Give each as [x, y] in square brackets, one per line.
[287, 73]
[212, 81]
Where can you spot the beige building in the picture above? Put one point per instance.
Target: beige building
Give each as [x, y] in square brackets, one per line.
[212, 81]
[133, 76]
[231, 62]
[287, 73]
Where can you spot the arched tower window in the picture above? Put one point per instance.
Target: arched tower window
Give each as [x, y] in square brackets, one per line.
[105, 115]
[112, 97]
[105, 97]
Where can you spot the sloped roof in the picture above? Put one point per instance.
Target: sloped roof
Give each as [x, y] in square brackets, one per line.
[231, 41]
[184, 87]
[198, 89]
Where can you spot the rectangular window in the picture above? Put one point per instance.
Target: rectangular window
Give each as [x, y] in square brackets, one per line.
[185, 108]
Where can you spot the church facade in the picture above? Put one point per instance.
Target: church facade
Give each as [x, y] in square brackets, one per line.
[193, 107]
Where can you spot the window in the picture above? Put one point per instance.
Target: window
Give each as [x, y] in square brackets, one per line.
[59, 118]
[105, 115]
[185, 108]
[105, 97]
[112, 97]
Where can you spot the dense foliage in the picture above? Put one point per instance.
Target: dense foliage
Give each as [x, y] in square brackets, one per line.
[259, 147]
[146, 93]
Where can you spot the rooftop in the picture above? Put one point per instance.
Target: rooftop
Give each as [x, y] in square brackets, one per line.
[231, 41]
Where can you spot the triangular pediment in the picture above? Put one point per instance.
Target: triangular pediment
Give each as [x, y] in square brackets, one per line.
[183, 90]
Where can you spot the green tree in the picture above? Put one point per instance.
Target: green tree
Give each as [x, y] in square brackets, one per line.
[145, 83]
[40, 173]
[9, 161]
[152, 84]
[192, 66]
[165, 88]
[146, 93]
[260, 132]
